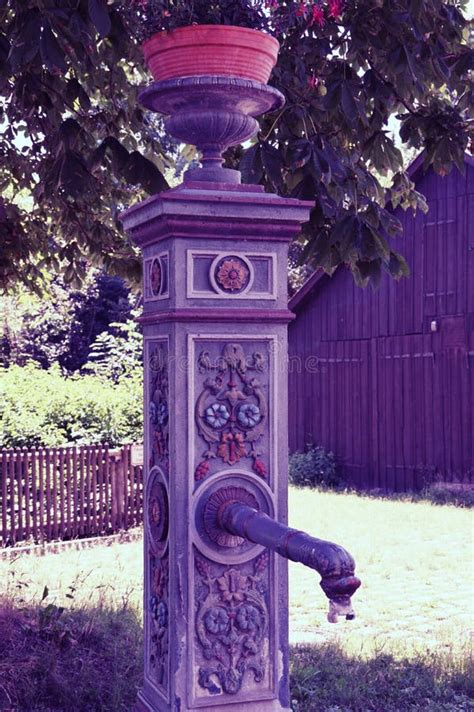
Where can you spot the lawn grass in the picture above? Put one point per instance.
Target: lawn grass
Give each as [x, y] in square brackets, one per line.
[416, 565]
[408, 649]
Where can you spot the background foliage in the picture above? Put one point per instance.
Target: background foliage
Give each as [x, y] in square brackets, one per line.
[44, 408]
[314, 468]
[63, 325]
[76, 147]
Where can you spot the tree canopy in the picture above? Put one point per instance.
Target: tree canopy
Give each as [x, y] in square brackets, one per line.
[76, 147]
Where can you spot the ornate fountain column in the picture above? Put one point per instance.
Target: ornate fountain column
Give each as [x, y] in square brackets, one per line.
[215, 326]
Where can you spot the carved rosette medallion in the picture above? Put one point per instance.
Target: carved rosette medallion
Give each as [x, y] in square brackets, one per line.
[232, 626]
[216, 502]
[232, 274]
[157, 517]
[157, 514]
[231, 409]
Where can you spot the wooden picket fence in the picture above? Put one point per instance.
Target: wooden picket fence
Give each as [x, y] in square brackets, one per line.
[48, 494]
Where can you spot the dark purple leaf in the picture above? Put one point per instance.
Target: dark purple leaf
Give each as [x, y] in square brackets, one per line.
[273, 164]
[251, 165]
[99, 16]
[51, 52]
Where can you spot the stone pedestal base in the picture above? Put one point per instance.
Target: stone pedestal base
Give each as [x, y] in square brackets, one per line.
[142, 705]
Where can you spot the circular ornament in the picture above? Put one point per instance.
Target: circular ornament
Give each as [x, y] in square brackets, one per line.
[155, 277]
[248, 618]
[215, 504]
[217, 415]
[232, 274]
[213, 495]
[157, 512]
[249, 415]
[217, 620]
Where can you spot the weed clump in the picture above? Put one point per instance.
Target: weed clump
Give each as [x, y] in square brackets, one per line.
[326, 679]
[68, 660]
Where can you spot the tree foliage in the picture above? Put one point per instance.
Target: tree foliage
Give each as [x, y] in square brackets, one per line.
[116, 354]
[73, 138]
[63, 325]
[76, 143]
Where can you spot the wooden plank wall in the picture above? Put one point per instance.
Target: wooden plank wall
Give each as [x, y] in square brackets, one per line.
[49, 494]
[370, 379]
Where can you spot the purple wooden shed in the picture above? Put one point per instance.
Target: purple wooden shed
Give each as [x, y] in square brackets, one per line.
[385, 379]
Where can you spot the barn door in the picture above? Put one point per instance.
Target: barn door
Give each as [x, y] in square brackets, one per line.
[424, 415]
[338, 408]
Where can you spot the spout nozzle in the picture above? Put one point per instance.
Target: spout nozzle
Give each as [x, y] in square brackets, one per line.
[341, 606]
[339, 592]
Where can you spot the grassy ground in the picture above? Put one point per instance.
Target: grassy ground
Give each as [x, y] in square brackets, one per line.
[407, 649]
[414, 559]
[326, 679]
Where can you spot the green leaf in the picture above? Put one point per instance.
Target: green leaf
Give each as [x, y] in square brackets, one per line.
[397, 266]
[390, 223]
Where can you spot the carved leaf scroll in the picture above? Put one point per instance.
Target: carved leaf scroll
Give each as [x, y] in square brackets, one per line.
[231, 410]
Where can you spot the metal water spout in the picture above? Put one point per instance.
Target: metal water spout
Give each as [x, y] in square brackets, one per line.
[335, 565]
[228, 509]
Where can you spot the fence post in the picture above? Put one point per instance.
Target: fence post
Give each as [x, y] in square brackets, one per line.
[117, 480]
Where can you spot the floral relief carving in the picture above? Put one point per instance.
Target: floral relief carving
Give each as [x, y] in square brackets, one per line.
[231, 409]
[158, 404]
[156, 277]
[231, 625]
[159, 629]
[157, 512]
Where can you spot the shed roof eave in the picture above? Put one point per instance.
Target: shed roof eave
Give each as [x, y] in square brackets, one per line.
[299, 298]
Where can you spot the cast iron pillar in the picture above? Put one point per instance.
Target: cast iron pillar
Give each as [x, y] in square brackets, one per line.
[215, 327]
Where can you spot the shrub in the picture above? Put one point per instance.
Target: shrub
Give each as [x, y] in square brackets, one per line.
[314, 468]
[459, 497]
[44, 408]
[115, 355]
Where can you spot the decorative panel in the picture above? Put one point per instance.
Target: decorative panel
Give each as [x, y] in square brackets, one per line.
[233, 406]
[233, 631]
[231, 275]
